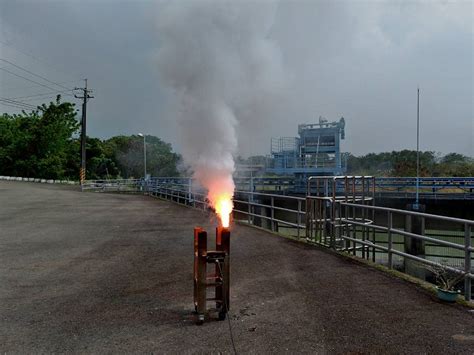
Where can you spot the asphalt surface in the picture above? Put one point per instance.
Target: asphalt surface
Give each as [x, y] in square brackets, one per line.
[108, 273]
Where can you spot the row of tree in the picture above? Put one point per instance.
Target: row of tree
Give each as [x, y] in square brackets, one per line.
[403, 163]
[396, 163]
[45, 144]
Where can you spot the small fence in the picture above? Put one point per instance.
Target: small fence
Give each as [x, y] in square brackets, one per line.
[38, 180]
[451, 188]
[117, 185]
[338, 213]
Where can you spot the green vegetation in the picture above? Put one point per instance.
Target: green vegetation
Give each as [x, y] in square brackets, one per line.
[403, 163]
[45, 144]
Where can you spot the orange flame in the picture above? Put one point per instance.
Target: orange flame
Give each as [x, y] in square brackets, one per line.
[223, 206]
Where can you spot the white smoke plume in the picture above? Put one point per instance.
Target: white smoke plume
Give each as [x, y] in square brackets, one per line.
[219, 62]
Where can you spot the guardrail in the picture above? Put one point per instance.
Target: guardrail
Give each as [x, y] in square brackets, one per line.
[284, 214]
[382, 237]
[348, 220]
[392, 187]
[349, 223]
[115, 185]
[38, 180]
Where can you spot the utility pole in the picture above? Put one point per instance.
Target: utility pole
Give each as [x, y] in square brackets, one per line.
[85, 96]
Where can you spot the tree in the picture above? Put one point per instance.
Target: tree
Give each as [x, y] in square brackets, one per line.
[403, 163]
[36, 144]
[127, 153]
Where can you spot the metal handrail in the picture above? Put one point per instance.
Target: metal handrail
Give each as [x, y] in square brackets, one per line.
[412, 213]
[260, 206]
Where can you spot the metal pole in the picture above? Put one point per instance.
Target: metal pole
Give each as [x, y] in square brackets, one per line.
[467, 262]
[390, 240]
[417, 146]
[298, 218]
[144, 155]
[272, 214]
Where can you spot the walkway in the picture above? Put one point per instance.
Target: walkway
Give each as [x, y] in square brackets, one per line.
[90, 272]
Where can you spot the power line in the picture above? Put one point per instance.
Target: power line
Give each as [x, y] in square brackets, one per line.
[41, 94]
[17, 104]
[33, 86]
[30, 72]
[40, 98]
[35, 58]
[20, 76]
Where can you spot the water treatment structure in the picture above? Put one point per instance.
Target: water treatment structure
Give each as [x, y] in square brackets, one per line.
[316, 152]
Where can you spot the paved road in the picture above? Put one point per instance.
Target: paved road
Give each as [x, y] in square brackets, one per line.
[95, 273]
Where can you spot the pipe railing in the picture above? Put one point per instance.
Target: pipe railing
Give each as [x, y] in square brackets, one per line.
[346, 220]
[366, 237]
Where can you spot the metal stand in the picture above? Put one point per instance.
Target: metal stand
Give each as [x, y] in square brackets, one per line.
[219, 280]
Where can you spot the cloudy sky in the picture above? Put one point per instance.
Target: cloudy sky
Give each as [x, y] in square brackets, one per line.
[359, 59]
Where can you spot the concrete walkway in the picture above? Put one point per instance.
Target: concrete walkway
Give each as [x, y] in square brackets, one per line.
[95, 273]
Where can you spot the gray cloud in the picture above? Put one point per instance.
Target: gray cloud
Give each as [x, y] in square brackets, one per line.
[360, 60]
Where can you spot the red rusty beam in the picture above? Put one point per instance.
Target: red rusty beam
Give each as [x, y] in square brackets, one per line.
[197, 230]
[201, 274]
[223, 292]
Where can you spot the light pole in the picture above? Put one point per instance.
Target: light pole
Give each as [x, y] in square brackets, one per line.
[417, 147]
[144, 153]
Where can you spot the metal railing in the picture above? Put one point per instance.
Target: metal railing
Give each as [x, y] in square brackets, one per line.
[348, 220]
[297, 162]
[278, 213]
[338, 214]
[380, 238]
[391, 187]
[115, 185]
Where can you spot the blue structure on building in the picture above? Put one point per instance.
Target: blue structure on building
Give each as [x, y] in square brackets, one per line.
[315, 152]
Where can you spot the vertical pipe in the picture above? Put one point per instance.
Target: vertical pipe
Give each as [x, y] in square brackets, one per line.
[298, 218]
[354, 227]
[189, 191]
[346, 227]
[248, 208]
[467, 262]
[144, 157]
[390, 241]
[365, 249]
[320, 219]
[308, 219]
[272, 213]
[373, 217]
[345, 188]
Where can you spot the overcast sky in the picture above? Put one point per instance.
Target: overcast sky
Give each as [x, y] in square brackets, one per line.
[359, 59]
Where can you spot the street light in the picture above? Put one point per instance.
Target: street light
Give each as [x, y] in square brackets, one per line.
[144, 152]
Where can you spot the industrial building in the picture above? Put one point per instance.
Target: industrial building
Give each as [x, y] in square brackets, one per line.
[317, 151]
